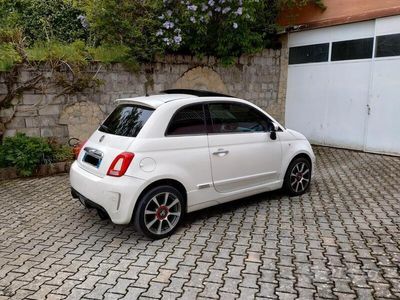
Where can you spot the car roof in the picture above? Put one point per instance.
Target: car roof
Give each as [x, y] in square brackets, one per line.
[154, 101]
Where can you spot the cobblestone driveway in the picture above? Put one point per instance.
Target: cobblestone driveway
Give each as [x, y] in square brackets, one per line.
[341, 240]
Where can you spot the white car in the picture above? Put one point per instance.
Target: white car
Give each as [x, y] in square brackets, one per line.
[156, 158]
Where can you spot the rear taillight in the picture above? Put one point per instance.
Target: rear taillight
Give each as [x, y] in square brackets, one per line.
[120, 164]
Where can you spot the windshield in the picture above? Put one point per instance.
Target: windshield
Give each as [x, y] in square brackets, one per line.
[126, 120]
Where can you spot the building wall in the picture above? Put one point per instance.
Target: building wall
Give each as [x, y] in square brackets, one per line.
[346, 94]
[49, 113]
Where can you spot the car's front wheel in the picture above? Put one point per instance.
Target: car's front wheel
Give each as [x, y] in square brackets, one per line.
[298, 177]
[159, 212]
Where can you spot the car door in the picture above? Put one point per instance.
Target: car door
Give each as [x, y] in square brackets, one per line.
[242, 153]
[186, 153]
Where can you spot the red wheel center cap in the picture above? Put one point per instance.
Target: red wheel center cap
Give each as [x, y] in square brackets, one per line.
[162, 212]
[299, 176]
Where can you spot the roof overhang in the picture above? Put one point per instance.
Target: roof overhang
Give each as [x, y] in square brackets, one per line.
[337, 12]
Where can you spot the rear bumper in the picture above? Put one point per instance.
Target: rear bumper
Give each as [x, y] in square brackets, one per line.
[85, 201]
[117, 196]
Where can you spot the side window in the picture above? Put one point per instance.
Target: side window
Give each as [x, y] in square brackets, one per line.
[237, 118]
[309, 54]
[188, 120]
[352, 49]
[388, 45]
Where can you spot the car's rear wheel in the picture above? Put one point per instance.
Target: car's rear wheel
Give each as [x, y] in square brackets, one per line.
[159, 212]
[298, 177]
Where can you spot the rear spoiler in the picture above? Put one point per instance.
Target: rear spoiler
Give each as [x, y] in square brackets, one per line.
[153, 104]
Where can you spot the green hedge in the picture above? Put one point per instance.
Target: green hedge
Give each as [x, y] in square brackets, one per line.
[27, 153]
[137, 30]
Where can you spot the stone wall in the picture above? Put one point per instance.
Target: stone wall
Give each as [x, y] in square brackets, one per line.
[259, 78]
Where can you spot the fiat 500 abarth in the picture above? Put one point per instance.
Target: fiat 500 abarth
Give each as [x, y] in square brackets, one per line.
[156, 158]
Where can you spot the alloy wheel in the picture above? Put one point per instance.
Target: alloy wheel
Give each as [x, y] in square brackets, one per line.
[162, 213]
[300, 177]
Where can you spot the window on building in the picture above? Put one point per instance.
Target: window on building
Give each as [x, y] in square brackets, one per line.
[187, 121]
[352, 49]
[309, 54]
[388, 45]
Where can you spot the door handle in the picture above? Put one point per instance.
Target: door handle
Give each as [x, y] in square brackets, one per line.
[221, 152]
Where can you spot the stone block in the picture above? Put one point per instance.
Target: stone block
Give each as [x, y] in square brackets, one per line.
[30, 99]
[70, 99]
[238, 86]
[159, 87]
[103, 108]
[26, 111]
[50, 110]
[32, 122]
[30, 131]
[83, 98]
[160, 78]
[16, 123]
[10, 132]
[56, 131]
[46, 132]
[46, 121]
[258, 60]
[3, 89]
[6, 112]
[105, 99]
[25, 76]
[58, 100]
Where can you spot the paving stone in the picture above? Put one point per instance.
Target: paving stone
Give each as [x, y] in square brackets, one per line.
[339, 240]
[133, 293]
[99, 291]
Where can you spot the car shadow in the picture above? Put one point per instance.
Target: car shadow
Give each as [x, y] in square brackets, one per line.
[201, 216]
[231, 206]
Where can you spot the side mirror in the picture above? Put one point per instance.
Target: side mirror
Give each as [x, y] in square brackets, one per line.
[274, 129]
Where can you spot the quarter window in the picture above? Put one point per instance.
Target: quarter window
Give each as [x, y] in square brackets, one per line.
[188, 120]
[236, 118]
[388, 45]
[309, 54]
[352, 49]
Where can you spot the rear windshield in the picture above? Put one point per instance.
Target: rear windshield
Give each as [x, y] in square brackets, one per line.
[126, 120]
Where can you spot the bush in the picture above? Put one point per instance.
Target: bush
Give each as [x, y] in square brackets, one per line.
[8, 57]
[43, 20]
[132, 31]
[77, 52]
[110, 53]
[59, 152]
[224, 29]
[24, 152]
[131, 23]
[220, 28]
[27, 153]
[54, 51]
[62, 153]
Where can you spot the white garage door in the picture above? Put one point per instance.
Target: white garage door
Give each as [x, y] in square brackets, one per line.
[344, 85]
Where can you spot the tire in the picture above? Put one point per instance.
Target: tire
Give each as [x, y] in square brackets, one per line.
[159, 212]
[298, 177]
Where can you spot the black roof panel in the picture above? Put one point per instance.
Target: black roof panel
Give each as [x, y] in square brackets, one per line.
[199, 93]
